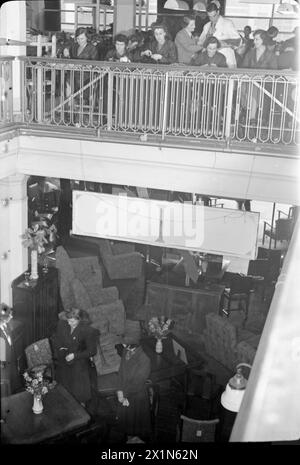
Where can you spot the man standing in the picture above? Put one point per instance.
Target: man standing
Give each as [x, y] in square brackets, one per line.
[224, 30]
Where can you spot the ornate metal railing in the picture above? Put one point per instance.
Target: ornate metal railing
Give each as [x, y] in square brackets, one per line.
[6, 103]
[167, 102]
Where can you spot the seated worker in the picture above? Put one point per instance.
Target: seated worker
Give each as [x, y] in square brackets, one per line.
[224, 30]
[210, 56]
[161, 49]
[119, 52]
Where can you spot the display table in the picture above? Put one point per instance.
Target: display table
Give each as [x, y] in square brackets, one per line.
[185, 305]
[62, 414]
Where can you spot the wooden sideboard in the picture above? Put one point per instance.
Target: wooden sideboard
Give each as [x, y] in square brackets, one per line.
[36, 305]
[186, 306]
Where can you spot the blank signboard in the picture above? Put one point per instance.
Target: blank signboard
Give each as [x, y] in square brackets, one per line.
[176, 225]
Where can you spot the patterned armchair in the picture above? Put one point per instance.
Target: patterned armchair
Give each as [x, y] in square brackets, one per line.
[228, 344]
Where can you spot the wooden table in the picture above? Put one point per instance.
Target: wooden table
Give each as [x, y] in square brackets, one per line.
[187, 306]
[62, 414]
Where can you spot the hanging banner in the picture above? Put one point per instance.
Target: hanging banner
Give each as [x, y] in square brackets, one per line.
[166, 224]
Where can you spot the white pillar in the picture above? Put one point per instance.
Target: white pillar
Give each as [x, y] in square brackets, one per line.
[13, 26]
[13, 222]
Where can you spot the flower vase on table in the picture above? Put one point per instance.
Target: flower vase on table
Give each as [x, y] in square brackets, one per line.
[158, 346]
[37, 407]
[159, 327]
[34, 264]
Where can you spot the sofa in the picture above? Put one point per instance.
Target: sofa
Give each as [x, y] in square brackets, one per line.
[228, 344]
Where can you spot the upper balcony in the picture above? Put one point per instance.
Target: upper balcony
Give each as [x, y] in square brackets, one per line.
[239, 110]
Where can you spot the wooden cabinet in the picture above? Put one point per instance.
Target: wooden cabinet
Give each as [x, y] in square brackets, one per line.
[186, 306]
[36, 305]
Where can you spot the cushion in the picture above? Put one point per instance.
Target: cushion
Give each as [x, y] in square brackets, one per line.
[107, 359]
[88, 271]
[81, 295]
[108, 318]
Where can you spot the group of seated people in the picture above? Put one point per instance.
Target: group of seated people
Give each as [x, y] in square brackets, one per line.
[219, 44]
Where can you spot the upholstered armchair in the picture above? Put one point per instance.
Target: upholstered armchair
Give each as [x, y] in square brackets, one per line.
[120, 262]
[228, 344]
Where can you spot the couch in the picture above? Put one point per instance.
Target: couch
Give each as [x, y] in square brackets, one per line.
[228, 344]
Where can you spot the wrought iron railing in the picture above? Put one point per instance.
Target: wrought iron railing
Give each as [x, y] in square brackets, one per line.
[6, 85]
[167, 102]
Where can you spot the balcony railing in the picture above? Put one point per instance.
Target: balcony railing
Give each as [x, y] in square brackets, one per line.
[167, 102]
[6, 104]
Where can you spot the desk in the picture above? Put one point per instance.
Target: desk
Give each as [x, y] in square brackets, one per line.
[62, 414]
[185, 305]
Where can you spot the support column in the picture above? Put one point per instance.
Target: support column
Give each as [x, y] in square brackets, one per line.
[124, 16]
[13, 27]
[13, 221]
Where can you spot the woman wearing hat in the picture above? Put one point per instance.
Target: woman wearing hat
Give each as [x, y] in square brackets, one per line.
[74, 343]
[134, 404]
[161, 50]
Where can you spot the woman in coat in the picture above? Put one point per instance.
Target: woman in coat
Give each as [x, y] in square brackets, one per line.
[161, 49]
[186, 44]
[74, 343]
[259, 57]
[133, 398]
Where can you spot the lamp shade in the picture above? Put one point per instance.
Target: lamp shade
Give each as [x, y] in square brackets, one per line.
[232, 397]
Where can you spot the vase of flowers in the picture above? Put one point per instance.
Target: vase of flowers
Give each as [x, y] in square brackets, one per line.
[35, 239]
[36, 384]
[159, 327]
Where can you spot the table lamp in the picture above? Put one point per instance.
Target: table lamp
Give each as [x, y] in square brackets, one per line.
[232, 397]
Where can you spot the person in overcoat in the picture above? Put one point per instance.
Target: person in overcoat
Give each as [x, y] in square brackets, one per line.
[74, 343]
[133, 399]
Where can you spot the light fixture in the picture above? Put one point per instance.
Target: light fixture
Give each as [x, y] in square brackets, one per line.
[176, 5]
[232, 397]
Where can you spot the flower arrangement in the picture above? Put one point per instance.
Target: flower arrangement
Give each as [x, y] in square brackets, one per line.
[37, 236]
[160, 326]
[36, 384]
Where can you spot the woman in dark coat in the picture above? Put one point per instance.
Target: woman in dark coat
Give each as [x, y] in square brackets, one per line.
[83, 50]
[161, 49]
[74, 343]
[134, 403]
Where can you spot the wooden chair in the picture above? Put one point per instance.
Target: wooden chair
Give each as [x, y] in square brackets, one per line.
[200, 392]
[192, 430]
[239, 291]
[40, 354]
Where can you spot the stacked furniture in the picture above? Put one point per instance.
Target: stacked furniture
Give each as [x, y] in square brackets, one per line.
[80, 286]
[120, 259]
[228, 344]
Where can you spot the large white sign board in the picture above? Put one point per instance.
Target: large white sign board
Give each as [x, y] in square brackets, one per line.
[166, 224]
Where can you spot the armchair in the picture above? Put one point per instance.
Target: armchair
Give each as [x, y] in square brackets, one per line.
[120, 264]
[228, 344]
[40, 353]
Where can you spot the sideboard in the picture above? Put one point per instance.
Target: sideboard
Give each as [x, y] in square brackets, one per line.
[186, 306]
[36, 305]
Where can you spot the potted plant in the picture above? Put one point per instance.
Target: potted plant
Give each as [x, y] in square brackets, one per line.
[35, 238]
